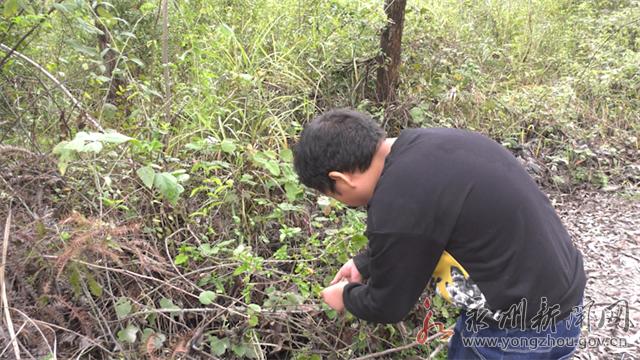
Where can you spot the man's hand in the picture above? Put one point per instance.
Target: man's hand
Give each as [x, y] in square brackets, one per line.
[348, 272]
[333, 295]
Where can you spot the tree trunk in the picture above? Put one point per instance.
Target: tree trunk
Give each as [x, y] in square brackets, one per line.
[110, 57]
[390, 44]
[165, 58]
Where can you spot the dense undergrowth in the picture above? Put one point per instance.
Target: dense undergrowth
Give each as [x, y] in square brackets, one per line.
[185, 232]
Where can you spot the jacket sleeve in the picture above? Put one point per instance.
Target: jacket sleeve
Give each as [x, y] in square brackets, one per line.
[400, 268]
[362, 261]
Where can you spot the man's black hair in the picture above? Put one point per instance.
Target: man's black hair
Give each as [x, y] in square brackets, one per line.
[338, 140]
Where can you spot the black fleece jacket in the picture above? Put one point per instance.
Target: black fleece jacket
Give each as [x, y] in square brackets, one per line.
[459, 191]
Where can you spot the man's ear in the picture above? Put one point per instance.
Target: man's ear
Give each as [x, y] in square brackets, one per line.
[338, 176]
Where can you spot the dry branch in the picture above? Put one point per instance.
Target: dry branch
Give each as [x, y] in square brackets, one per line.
[404, 347]
[16, 149]
[5, 302]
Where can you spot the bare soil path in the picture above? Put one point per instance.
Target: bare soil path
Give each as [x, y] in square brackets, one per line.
[606, 228]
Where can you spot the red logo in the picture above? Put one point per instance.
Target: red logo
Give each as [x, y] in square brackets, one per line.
[423, 334]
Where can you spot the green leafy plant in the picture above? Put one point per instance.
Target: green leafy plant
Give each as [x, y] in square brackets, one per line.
[129, 334]
[168, 184]
[83, 142]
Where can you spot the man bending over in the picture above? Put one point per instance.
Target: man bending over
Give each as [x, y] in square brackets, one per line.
[456, 206]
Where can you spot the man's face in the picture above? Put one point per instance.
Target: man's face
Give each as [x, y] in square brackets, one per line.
[353, 189]
[348, 198]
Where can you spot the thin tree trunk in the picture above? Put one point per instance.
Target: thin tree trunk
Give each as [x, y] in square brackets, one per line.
[110, 57]
[165, 58]
[391, 46]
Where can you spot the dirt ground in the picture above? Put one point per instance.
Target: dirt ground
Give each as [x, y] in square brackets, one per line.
[606, 228]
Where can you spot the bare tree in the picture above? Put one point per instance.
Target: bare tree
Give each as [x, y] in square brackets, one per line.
[165, 57]
[110, 57]
[390, 43]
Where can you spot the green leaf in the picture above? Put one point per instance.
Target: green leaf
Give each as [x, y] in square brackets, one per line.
[137, 61]
[66, 7]
[323, 201]
[253, 320]
[207, 297]
[168, 304]
[252, 311]
[157, 340]
[444, 312]
[128, 334]
[109, 111]
[77, 144]
[94, 287]
[168, 186]
[94, 147]
[182, 177]
[270, 154]
[260, 158]
[85, 142]
[417, 114]
[89, 28]
[228, 146]
[292, 190]
[66, 156]
[218, 346]
[112, 136]
[123, 307]
[273, 167]
[208, 250]
[331, 314]
[226, 31]
[359, 241]
[437, 301]
[286, 155]
[181, 259]
[60, 148]
[10, 8]
[281, 253]
[146, 333]
[103, 12]
[147, 7]
[74, 280]
[102, 79]
[146, 174]
[239, 350]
